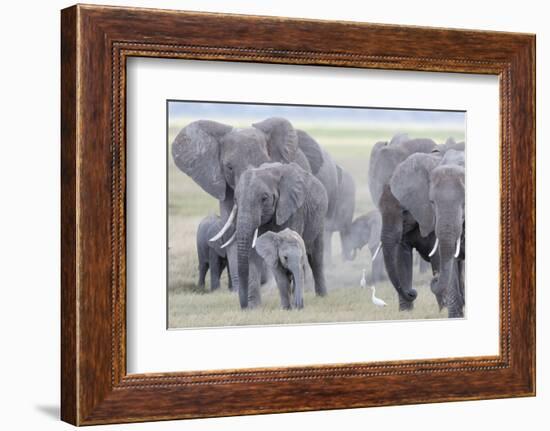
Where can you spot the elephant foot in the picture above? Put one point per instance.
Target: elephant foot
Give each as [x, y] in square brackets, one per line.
[321, 291]
[254, 303]
[298, 304]
[405, 305]
[456, 314]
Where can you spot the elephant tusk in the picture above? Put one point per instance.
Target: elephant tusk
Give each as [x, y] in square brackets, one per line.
[377, 251]
[230, 240]
[457, 251]
[435, 247]
[227, 224]
[255, 238]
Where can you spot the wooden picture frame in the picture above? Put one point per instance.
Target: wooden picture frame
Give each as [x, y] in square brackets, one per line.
[95, 43]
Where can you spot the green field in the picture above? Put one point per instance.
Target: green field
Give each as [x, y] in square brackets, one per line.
[188, 204]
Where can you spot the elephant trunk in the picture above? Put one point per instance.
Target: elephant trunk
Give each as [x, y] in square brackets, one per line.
[348, 247]
[297, 271]
[447, 284]
[244, 236]
[398, 266]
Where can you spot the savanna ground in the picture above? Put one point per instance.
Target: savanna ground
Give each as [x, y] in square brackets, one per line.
[188, 306]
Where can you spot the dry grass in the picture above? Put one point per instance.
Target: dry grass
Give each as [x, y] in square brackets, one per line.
[346, 302]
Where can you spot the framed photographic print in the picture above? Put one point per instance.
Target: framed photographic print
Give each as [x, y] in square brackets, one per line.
[325, 222]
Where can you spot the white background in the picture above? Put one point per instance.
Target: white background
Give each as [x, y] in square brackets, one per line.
[151, 348]
[29, 216]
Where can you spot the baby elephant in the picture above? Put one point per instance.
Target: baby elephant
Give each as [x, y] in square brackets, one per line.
[285, 253]
[366, 230]
[211, 255]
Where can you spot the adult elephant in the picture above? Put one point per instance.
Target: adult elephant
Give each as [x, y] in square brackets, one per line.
[273, 197]
[399, 231]
[431, 188]
[215, 155]
[341, 218]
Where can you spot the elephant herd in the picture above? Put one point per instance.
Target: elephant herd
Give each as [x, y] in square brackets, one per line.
[282, 196]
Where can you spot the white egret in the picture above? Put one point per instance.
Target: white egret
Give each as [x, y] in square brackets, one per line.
[377, 301]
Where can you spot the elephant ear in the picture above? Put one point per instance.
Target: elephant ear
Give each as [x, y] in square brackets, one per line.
[311, 149]
[383, 161]
[375, 225]
[410, 184]
[282, 140]
[267, 246]
[293, 187]
[196, 151]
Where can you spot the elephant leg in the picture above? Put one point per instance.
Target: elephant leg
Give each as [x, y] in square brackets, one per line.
[283, 284]
[265, 274]
[327, 248]
[229, 283]
[315, 258]
[203, 269]
[254, 280]
[223, 266]
[231, 251]
[215, 270]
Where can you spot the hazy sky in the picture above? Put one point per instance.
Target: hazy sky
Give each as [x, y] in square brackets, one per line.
[207, 110]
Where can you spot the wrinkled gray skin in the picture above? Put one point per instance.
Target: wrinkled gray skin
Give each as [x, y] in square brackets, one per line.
[215, 155]
[323, 167]
[342, 218]
[447, 194]
[325, 170]
[271, 198]
[284, 253]
[399, 231]
[431, 188]
[365, 230]
[211, 256]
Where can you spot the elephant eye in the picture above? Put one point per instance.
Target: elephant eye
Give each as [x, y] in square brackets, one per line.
[265, 196]
[229, 167]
